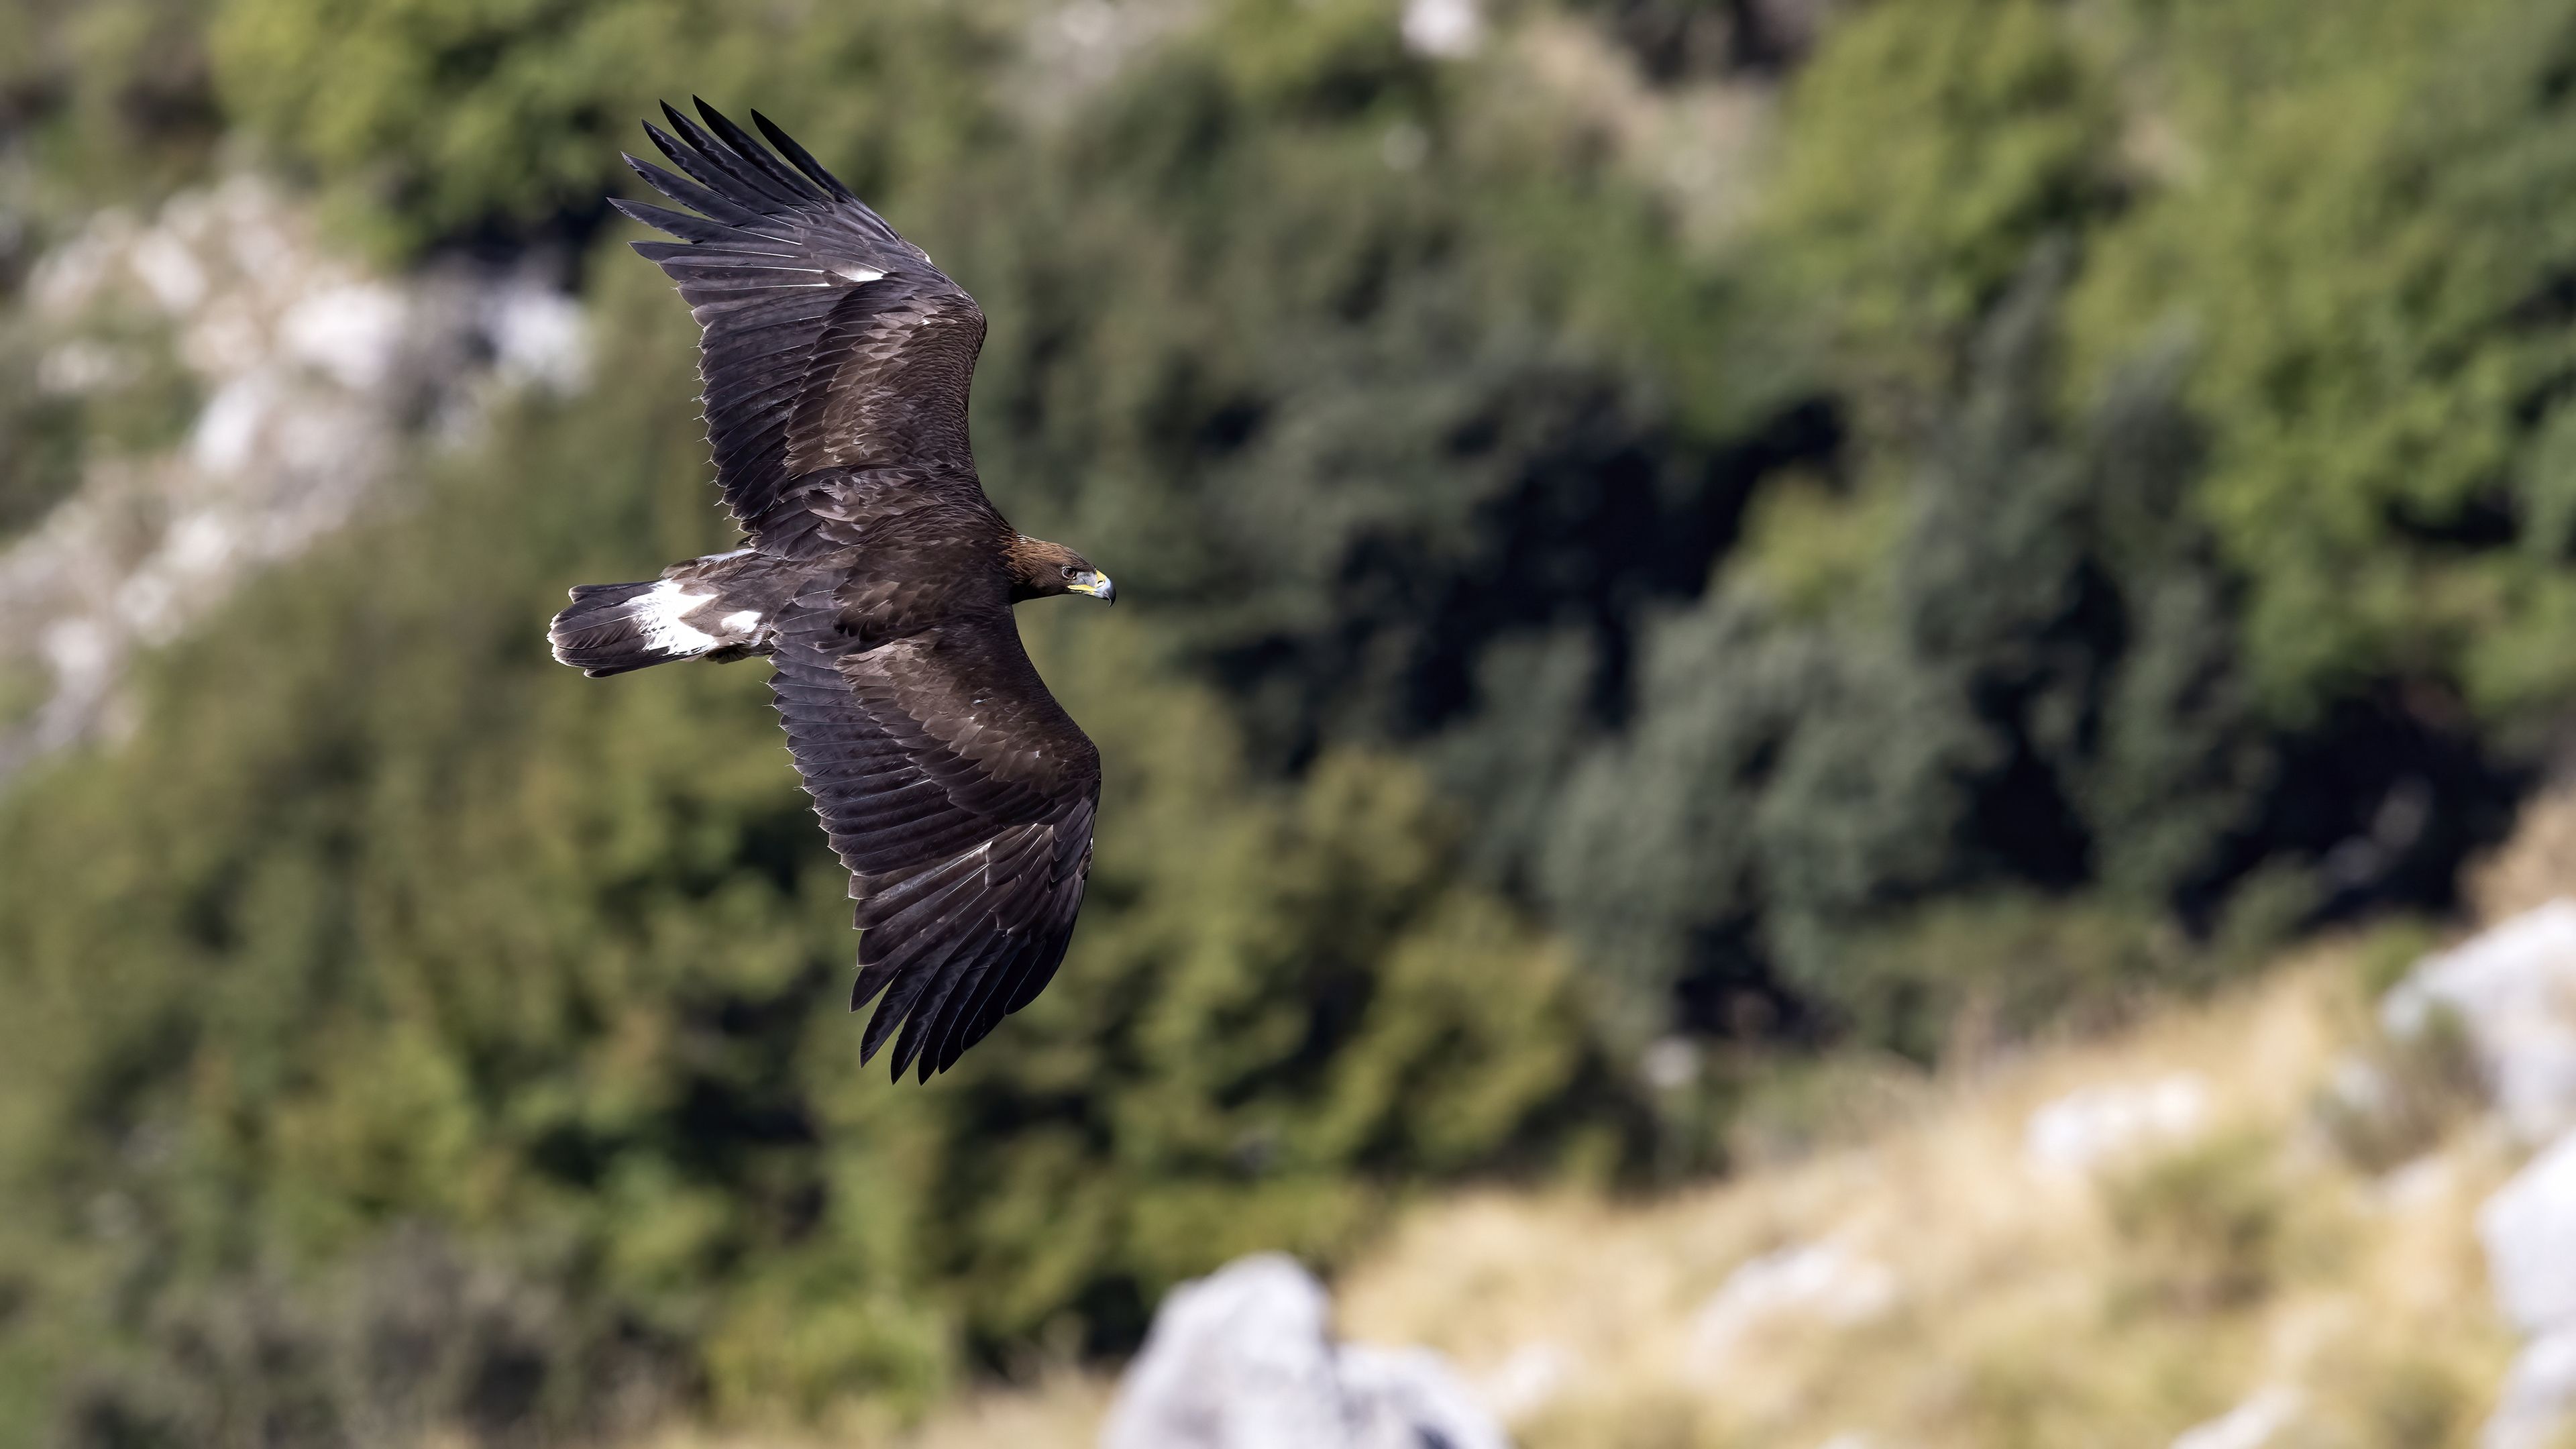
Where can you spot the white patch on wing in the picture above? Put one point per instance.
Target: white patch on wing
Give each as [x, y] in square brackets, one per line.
[860, 274]
[741, 621]
[660, 611]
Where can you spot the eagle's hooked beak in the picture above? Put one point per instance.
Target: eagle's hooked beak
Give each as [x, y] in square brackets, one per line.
[1097, 585]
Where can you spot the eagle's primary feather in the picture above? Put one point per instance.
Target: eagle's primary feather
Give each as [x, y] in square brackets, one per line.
[876, 577]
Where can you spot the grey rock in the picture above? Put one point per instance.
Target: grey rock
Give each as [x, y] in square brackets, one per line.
[1245, 1359]
[2258, 1421]
[1406, 1398]
[2090, 1127]
[316, 374]
[2529, 1230]
[1826, 1282]
[1444, 29]
[2539, 1400]
[2513, 987]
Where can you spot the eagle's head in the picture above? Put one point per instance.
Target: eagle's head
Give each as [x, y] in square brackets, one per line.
[1040, 568]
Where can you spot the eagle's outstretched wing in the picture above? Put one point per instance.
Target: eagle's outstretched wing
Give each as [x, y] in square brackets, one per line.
[827, 341]
[961, 797]
[836, 361]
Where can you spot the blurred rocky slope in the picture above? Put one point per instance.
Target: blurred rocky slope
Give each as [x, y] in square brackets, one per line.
[2291, 1217]
[300, 375]
[2050, 1251]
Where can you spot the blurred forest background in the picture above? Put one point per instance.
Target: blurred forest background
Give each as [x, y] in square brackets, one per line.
[1663, 543]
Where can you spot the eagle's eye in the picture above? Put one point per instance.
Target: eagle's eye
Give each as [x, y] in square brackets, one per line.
[1070, 571]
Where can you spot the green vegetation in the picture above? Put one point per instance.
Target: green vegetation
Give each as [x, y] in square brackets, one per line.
[2106, 508]
[2204, 1223]
[615, 1067]
[2371, 271]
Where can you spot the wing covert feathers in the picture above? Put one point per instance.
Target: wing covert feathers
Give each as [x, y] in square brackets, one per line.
[968, 848]
[826, 340]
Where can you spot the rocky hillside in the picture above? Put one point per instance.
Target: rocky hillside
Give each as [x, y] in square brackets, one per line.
[286, 379]
[2317, 1211]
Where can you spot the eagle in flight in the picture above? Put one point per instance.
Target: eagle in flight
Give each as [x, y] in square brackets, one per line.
[876, 577]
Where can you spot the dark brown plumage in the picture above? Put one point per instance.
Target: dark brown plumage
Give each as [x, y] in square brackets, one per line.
[875, 576]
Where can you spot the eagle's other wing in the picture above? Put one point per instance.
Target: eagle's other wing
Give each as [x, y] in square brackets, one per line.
[961, 797]
[826, 340]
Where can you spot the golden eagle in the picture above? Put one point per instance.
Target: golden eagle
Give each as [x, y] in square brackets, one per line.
[876, 577]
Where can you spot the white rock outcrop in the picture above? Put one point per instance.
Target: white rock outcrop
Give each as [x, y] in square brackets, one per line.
[1527, 1380]
[2539, 1394]
[2084, 1129]
[312, 374]
[1444, 29]
[2528, 1228]
[2258, 1421]
[1245, 1359]
[2513, 989]
[1821, 1282]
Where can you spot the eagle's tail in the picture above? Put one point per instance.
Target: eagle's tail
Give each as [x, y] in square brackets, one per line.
[612, 628]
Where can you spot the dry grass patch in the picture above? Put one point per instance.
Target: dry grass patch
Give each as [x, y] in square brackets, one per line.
[1935, 1287]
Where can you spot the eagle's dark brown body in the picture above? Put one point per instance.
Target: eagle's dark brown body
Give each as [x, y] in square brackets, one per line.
[877, 579]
